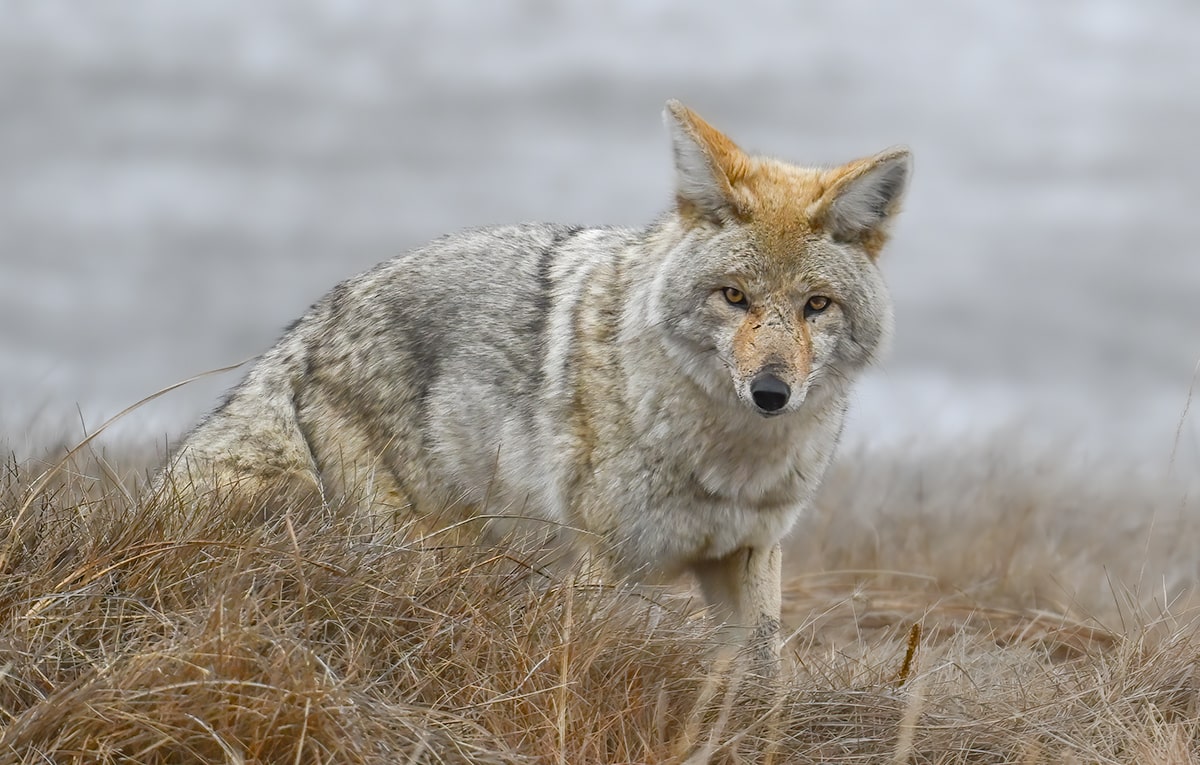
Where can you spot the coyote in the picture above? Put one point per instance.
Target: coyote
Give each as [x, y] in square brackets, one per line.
[674, 394]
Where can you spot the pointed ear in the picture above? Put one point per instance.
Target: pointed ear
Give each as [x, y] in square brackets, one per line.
[707, 166]
[865, 194]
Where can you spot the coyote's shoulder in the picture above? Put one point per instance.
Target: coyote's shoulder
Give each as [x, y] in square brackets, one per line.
[675, 393]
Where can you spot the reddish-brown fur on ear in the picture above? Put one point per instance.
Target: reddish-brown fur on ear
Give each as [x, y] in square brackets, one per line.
[727, 156]
[839, 179]
[727, 162]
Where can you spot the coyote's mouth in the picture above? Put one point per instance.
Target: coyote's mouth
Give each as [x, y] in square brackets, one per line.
[768, 415]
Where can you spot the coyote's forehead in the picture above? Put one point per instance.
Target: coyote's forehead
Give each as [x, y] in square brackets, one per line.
[779, 197]
[779, 201]
[783, 209]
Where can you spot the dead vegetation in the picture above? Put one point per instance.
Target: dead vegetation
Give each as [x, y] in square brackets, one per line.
[965, 606]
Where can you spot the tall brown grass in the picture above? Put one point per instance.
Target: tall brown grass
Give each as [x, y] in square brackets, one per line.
[967, 605]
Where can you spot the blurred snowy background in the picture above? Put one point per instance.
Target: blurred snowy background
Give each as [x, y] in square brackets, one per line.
[180, 180]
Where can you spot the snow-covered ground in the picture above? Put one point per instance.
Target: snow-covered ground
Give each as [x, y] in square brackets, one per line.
[178, 181]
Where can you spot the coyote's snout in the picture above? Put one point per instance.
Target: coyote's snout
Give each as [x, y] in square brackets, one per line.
[772, 354]
[676, 392]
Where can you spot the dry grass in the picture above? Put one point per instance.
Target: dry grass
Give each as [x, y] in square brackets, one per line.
[1056, 608]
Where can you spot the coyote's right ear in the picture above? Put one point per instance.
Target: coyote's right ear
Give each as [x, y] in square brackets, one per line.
[863, 195]
[708, 167]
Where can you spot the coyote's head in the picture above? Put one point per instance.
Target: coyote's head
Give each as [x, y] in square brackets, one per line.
[770, 291]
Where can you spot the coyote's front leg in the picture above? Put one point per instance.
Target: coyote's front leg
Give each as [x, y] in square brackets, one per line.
[743, 588]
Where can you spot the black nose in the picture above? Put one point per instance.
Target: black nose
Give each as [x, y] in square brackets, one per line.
[770, 394]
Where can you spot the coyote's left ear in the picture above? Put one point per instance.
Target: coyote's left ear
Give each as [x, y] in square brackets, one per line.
[863, 195]
[708, 167]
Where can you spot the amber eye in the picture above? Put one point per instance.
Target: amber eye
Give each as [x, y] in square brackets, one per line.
[815, 305]
[735, 296]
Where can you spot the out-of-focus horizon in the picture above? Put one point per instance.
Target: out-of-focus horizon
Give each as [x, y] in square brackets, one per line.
[179, 181]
